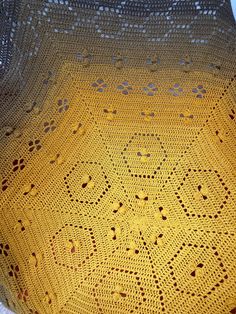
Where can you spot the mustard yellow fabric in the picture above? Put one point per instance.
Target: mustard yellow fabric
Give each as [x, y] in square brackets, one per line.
[118, 158]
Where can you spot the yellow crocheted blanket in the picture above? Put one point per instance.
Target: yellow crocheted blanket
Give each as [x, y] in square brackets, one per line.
[118, 157]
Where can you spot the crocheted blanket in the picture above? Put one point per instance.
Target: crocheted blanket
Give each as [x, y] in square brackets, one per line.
[117, 143]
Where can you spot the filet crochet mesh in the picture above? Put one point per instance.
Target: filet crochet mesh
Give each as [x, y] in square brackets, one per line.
[117, 145]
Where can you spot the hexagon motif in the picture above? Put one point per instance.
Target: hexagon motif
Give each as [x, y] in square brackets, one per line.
[89, 191]
[73, 246]
[197, 194]
[112, 292]
[144, 155]
[199, 275]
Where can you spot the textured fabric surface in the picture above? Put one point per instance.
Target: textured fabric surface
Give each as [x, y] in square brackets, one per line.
[117, 141]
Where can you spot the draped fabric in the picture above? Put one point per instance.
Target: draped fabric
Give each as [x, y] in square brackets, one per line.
[117, 143]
